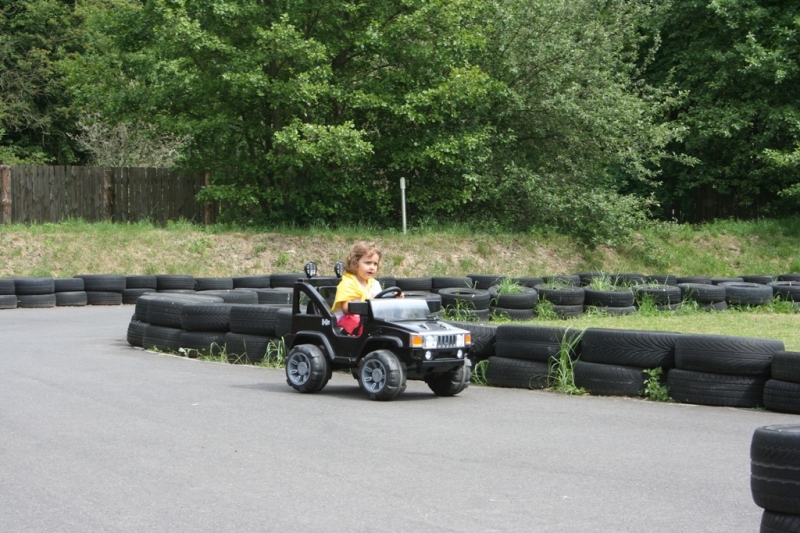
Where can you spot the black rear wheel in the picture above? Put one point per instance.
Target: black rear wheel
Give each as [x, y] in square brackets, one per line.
[307, 369]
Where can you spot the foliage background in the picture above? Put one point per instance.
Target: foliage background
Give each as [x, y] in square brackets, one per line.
[585, 117]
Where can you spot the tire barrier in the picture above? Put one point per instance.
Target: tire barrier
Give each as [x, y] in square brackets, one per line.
[260, 281]
[213, 284]
[203, 324]
[448, 282]
[774, 483]
[484, 282]
[703, 369]
[743, 293]
[276, 289]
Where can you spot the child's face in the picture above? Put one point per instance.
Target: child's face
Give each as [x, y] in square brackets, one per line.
[367, 266]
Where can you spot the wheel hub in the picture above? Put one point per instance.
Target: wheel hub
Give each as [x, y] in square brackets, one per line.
[373, 376]
[299, 368]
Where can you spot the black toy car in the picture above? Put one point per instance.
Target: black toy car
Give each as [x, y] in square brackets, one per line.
[400, 340]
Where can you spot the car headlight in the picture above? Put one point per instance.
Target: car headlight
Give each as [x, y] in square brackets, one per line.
[459, 341]
[430, 341]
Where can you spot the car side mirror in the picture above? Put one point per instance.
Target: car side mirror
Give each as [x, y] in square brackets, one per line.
[358, 308]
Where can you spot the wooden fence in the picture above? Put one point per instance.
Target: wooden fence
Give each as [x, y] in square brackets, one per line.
[35, 194]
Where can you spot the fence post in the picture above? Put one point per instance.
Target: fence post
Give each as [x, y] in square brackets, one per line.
[5, 192]
[108, 194]
[208, 208]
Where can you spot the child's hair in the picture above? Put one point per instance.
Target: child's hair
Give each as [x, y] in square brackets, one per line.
[359, 250]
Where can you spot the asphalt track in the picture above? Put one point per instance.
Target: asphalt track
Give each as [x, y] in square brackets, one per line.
[98, 436]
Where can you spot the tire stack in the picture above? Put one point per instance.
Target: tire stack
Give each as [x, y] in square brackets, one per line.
[567, 301]
[252, 329]
[471, 304]
[744, 293]
[8, 295]
[786, 290]
[175, 283]
[718, 281]
[484, 337]
[70, 292]
[200, 324]
[774, 482]
[614, 301]
[484, 281]
[708, 297]
[782, 392]
[281, 296]
[449, 282]
[103, 289]
[213, 284]
[515, 306]
[665, 297]
[523, 355]
[136, 286]
[256, 281]
[414, 284]
[35, 293]
[721, 370]
[613, 361]
[286, 280]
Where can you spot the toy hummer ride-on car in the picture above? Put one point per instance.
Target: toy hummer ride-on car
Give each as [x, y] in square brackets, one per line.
[400, 340]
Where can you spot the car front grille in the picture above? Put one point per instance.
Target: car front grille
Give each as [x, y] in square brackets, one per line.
[446, 341]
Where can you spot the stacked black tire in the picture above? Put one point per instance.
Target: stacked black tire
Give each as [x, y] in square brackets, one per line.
[567, 301]
[103, 289]
[460, 299]
[8, 294]
[514, 306]
[136, 286]
[665, 297]
[70, 292]
[524, 355]
[743, 293]
[35, 292]
[782, 392]
[774, 483]
[612, 301]
[613, 361]
[721, 370]
[200, 324]
[709, 297]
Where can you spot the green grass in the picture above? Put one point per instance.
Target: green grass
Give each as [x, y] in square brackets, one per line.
[724, 248]
[764, 322]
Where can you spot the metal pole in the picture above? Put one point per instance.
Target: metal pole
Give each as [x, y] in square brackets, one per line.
[403, 198]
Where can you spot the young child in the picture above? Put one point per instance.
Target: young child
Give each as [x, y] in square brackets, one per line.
[358, 284]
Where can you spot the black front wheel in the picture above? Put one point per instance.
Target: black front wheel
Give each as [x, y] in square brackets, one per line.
[307, 369]
[382, 376]
[450, 383]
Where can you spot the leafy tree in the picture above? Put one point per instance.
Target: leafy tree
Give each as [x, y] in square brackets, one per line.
[36, 112]
[507, 110]
[308, 110]
[576, 115]
[737, 61]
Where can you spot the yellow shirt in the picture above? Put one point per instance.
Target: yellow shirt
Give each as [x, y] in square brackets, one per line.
[350, 289]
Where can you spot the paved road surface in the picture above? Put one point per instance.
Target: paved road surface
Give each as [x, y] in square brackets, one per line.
[98, 436]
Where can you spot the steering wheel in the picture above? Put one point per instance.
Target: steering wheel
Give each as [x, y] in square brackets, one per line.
[391, 292]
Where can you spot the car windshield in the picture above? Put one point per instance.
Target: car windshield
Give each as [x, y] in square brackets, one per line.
[399, 308]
